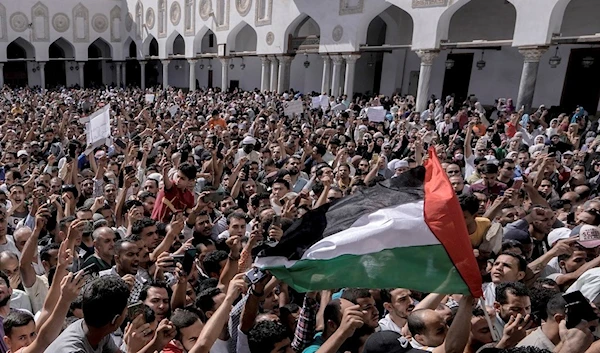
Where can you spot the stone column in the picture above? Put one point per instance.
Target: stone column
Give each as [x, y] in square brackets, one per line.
[42, 70]
[336, 75]
[265, 66]
[326, 80]
[1, 75]
[285, 64]
[224, 73]
[427, 57]
[165, 64]
[81, 65]
[124, 74]
[529, 75]
[143, 74]
[274, 73]
[350, 68]
[118, 80]
[192, 83]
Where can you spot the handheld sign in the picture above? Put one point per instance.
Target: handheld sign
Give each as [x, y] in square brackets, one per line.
[293, 107]
[376, 114]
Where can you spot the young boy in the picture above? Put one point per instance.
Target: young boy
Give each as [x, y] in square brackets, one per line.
[176, 193]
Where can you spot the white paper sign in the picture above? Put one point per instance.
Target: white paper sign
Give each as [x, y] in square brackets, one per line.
[293, 107]
[98, 127]
[316, 102]
[324, 102]
[376, 114]
[149, 98]
[173, 110]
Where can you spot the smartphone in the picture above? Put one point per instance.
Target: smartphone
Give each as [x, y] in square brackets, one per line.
[177, 259]
[129, 169]
[188, 260]
[220, 147]
[214, 196]
[276, 221]
[375, 157]
[120, 143]
[90, 269]
[254, 275]
[578, 308]
[134, 310]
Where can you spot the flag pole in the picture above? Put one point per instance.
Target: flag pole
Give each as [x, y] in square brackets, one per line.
[489, 320]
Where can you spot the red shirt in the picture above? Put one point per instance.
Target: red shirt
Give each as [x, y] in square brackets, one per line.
[171, 348]
[181, 199]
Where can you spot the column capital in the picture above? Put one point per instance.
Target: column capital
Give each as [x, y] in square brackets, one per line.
[285, 59]
[142, 62]
[532, 54]
[165, 61]
[427, 56]
[224, 60]
[41, 64]
[264, 59]
[192, 61]
[325, 57]
[337, 59]
[351, 58]
[273, 58]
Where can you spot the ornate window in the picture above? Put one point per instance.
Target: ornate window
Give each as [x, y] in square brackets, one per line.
[115, 24]
[81, 23]
[41, 23]
[264, 12]
[139, 19]
[188, 17]
[222, 15]
[162, 18]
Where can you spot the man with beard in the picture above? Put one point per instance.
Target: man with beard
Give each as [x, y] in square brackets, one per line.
[5, 309]
[292, 166]
[247, 151]
[19, 209]
[399, 304]
[126, 266]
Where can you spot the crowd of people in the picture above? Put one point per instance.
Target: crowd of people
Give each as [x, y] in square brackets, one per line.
[147, 243]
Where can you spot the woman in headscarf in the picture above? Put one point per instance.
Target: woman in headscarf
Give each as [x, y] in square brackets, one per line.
[553, 128]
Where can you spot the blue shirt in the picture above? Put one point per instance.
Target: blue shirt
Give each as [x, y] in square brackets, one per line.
[316, 344]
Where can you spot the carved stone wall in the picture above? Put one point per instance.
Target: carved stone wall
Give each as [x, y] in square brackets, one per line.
[162, 18]
[222, 15]
[61, 22]
[428, 3]
[99, 23]
[205, 9]
[19, 21]
[3, 27]
[243, 7]
[41, 23]
[81, 24]
[351, 7]
[150, 18]
[175, 13]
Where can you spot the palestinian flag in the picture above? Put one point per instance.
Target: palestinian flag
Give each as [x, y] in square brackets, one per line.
[406, 232]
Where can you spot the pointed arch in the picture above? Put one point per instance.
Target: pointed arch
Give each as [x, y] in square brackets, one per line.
[20, 49]
[242, 38]
[40, 21]
[574, 21]
[61, 48]
[205, 41]
[150, 46]
[301, 30]
[398, 26]
[175, 44]
[100, 48]
[483, 19]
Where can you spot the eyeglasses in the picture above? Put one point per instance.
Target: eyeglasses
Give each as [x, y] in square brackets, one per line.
[453, 171]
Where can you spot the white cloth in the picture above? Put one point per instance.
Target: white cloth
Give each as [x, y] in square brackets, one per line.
[387, 324]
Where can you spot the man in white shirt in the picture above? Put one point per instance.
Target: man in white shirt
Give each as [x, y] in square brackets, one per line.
[399, 304]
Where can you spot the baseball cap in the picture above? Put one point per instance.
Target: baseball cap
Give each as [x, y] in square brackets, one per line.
[388, 342]
[558, 234]
[22, 153]
[589, 236]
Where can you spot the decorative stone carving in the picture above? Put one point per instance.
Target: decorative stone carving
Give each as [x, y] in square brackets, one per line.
[175, 13]
[115, 24]
[99, 23]
[189, 24]
[243, 6]
[139, 20]
[427, 56]
[81, 34]
[351, 7]
[270, 38]
[129, 22]
[428, 3]
[3, 29]
[222, 15]
[41, 31]
[205, 9]
[60, 22]
[264, 13]
[162, 18]
[19, 21]
[532, 54]
[337, 33]
[150, 18]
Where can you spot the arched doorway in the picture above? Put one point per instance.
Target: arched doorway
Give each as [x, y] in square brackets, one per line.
[303, 36]
[15, 69]
[98, 51]
[132, 66]
[154, 66]
[205, 42]
[59, 52]
[242, 45]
